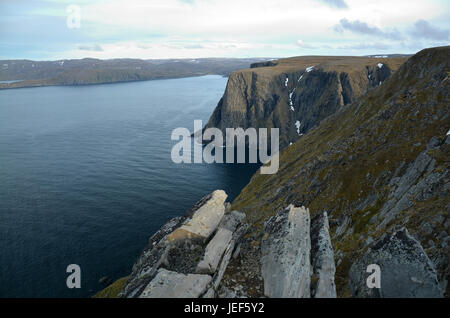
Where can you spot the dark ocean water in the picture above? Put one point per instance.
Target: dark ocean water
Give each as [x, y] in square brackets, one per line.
[86, 178]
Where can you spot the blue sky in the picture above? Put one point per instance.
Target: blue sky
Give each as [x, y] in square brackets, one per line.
[43, 29]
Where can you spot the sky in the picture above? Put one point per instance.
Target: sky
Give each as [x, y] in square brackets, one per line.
[151, 29]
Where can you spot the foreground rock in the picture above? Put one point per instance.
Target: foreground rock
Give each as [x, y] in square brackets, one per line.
[285, 254]
[288, 245]
[406, 270]
[188, 256]
[167, 284]
[205, 219]
[324, 269]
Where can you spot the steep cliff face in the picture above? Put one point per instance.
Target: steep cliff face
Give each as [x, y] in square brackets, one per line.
[295, 94]
[376, 165]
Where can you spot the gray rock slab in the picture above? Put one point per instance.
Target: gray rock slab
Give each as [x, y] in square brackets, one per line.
[406, 270]
[168, 284]
[285, 249]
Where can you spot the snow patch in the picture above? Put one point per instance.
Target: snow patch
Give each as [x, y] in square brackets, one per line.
[309, 69]
[448, 132]
[297, 124]
[300, 78]
[380, 65]
[290, 99]
[286, 82]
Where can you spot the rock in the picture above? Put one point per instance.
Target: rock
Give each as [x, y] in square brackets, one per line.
[168, 284]
[237, 235]
[105, 280]
[176, 248]
[219, 243]
[406, 270]
[214, 251]
[322, 258]
[285, 254]
[205, 219]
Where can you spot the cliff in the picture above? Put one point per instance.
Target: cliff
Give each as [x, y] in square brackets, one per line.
[377, 165]
[369, 185]
[296, 94]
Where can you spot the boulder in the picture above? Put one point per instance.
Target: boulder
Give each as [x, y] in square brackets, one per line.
[406, 270]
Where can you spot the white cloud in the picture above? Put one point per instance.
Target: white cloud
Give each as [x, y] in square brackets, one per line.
[269, 28]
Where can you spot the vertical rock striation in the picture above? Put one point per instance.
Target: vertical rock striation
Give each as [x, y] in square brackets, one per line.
[296, 94]
[322, 259]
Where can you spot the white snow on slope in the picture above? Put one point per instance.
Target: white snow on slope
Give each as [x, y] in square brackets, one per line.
[448, 132]
[300, 78]
[309, 69]
[380, 65]
[286, 82]
[297, 124]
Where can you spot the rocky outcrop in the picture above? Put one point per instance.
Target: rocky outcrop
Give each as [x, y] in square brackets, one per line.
[296, 94]
[188, 256]
[406, 271]
[297, 257]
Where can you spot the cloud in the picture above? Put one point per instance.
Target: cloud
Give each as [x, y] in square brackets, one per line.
[305, 45]
[423, 29]
[365, 46]
[92, 48]
[366, 29]
[341, 4]
[228, 28]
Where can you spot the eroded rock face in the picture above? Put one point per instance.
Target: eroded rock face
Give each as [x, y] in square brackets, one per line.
[406, 270]
[285, 254]
[322, 259]
[299, 92]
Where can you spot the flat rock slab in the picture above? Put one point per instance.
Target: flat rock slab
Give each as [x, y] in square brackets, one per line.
[204, 220]
[220, 242]
[285, 249]
[168, 284]
[214, 251]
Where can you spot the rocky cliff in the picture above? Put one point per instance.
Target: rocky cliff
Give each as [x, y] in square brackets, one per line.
[296, 94]
[374, 178]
